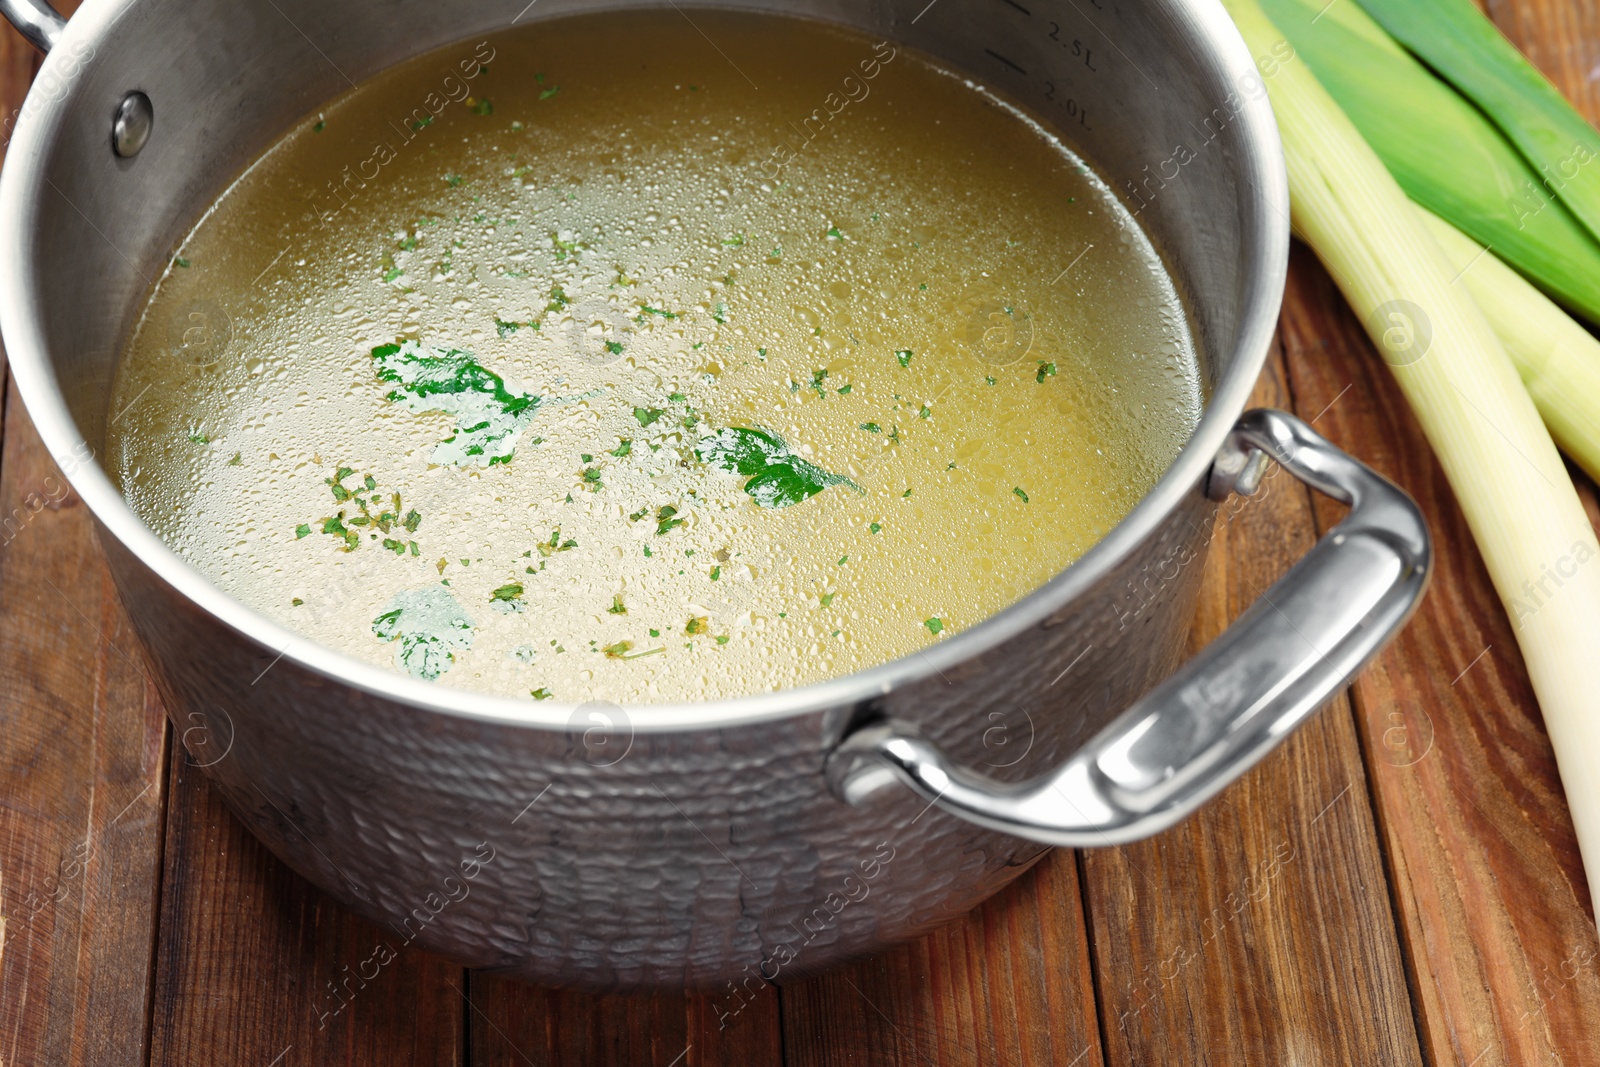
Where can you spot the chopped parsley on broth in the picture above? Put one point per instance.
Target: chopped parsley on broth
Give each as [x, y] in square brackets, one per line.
[631, 381]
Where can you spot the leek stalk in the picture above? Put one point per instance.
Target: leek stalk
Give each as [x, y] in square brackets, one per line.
[1558, 360]
[1457, 40]
[1445, 154]
[1508, 478]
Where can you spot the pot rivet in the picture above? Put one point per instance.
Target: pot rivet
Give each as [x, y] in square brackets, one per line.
[131, 128]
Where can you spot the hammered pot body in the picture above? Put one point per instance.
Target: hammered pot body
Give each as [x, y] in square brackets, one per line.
[667, 855]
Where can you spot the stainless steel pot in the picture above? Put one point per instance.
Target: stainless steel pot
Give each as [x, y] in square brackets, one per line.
[719, 842]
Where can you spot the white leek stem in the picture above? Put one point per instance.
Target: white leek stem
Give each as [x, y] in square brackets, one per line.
[1524, 513]
[1559, 360]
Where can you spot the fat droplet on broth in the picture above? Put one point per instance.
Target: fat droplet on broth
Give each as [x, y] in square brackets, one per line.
[614, 242]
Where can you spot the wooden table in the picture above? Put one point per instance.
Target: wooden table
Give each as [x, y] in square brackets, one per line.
[1397, 885]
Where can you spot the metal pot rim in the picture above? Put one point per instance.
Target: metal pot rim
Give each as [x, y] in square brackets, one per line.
[22, 183]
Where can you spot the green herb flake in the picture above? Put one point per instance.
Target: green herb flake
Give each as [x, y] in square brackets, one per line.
[925, 412]
[698, 625]
[716, 573]
[843, 560]
[648, 310]
[508, 594]
[935, 625]
[827, 599]
[625, 448]
[296, 602]
[617, 606]
[489, 417]
[844, 390]
[198, 436]
[1046, 370]
[506, 329]
[647, 416]
[665, 521]
[778, 477]
[550, 92]
[180, 261]
[483, 107]
[871, 427]
[302, 531]
[614, 347]
[453, 180]
[393, 274]
[655, 633]
[722, 640]
[422, 123]
[541, 693]
[320, 125]
[903, 356]
[876, 527]
[237, 460]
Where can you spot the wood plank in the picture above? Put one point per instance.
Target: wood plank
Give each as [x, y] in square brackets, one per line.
[1006, 986]
[255, 966]
[515, 1024]
[1487, 879]
[82, 743]
[1260, 930]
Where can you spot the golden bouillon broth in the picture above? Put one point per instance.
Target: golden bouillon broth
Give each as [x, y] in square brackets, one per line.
[599, 361]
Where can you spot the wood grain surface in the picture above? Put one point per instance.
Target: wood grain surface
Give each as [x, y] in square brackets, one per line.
[1398, 884]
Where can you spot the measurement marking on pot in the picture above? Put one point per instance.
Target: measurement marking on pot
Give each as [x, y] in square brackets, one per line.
[702, 833]
[924, 11]
[490, 1021]
[680, 1056]
[1471, 665]
[1071, 665]
[1003, 59]
[532, 802]
[1113, 44]
[279, 1056]
[523, 12]
[1019, 7]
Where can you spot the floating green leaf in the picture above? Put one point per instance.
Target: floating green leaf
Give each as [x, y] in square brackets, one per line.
[429, 624]
[778, 477]
[489, 417]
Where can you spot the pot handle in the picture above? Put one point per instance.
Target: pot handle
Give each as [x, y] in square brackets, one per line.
[1225, 709]
[36, 20]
